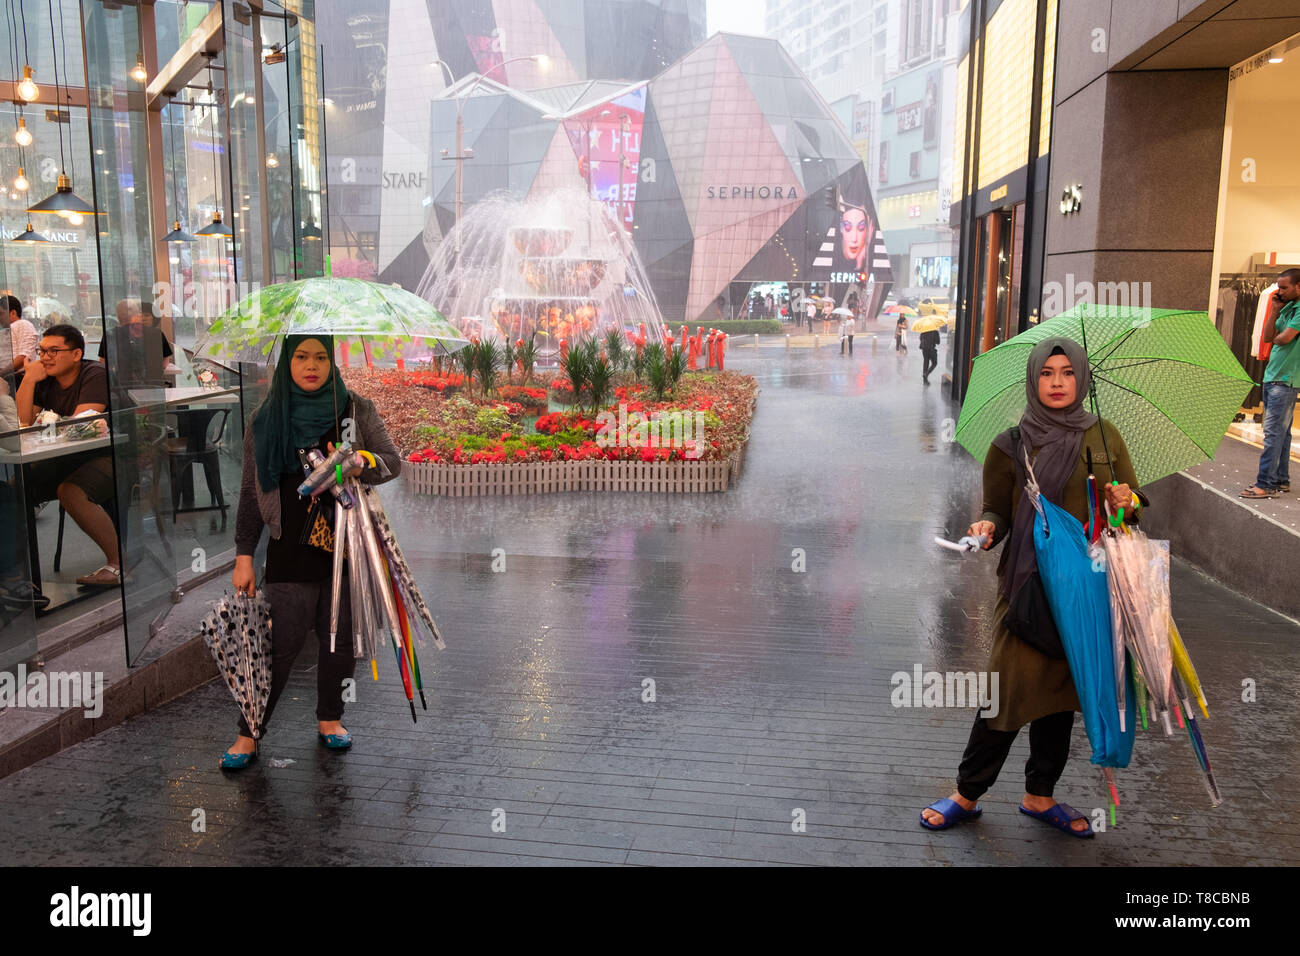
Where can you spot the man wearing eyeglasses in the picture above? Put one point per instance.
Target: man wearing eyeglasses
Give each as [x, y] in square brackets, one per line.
[63, 381]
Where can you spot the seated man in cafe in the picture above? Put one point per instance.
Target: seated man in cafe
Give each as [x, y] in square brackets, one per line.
[64, 382]
[139, 349]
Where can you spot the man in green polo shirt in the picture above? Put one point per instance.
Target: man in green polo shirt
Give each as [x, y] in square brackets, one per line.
[1281, 385]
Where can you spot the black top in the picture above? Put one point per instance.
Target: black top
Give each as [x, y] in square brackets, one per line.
[90, 388]
[288, 558]
[930, 341]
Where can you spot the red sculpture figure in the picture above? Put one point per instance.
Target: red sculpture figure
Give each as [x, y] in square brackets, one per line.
[564, 349]
[713, 341]
[693, 352]
[686, 334]
[520, 361]
[722, 347]
[668, 344]
[639, 341]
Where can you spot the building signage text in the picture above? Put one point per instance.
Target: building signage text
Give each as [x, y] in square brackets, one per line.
[752, 192]
[999, 193]
[909, 116]
[403, 180]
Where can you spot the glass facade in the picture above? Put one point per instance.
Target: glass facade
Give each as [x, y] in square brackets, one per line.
[196, 130]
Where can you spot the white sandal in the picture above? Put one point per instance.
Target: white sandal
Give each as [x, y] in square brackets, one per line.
[106, 577]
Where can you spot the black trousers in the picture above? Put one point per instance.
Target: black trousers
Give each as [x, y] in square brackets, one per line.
[931, 360]
[296, 609]
[987, 749]
[849, 338]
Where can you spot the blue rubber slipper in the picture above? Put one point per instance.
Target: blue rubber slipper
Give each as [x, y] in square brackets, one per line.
[952, 812]
[1061, 816]
[335, 741]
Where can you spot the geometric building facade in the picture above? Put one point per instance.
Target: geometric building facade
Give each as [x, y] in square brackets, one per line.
[726, 168]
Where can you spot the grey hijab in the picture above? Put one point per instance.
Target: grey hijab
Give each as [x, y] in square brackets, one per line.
[1056, 434]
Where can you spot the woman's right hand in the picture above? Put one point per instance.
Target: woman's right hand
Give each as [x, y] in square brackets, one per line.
[244, 578]
[986, 528]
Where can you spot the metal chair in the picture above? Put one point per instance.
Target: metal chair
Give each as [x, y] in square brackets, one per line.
[204, 427]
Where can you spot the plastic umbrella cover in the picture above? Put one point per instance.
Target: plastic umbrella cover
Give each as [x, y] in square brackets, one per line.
[1138, 578]
[1076, 591]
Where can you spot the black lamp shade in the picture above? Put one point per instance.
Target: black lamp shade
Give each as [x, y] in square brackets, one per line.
[216, 227]
[30, 237]
[63, 200]
[177, 234]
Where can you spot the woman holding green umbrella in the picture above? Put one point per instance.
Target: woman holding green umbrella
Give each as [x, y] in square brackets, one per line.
[1035, 687]
[307, 407]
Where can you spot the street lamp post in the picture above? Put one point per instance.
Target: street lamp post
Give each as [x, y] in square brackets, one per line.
[461, 154]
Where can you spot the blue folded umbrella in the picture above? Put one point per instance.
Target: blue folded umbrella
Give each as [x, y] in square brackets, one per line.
[1080, 604]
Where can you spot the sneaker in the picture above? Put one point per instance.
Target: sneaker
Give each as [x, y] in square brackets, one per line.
[1285, 487]
[105, 577]
[23, 593]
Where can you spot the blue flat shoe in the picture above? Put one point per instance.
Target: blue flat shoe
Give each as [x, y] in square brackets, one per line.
[231, 761]
[1061, 816]
[336, 741]
[952, 812]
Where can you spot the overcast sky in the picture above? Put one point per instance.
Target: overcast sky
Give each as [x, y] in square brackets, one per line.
[735, 16]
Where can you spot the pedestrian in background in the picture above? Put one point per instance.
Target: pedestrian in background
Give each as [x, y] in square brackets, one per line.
[846, 332]
[900, 335]
[304, 409]
[929, 353]
[1055, 433]
[1281, 386]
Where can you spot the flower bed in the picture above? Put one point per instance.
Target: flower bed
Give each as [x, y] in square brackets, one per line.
[704, 422]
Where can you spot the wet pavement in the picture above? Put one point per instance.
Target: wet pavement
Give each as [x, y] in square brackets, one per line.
[771, 686]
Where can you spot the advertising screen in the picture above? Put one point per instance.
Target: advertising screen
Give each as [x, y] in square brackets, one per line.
[607, 141]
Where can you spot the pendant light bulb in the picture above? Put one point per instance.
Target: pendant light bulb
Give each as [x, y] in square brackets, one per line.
[272, 160]
[20, 181]
[28, 89]
[138, 72]
[22, 135]
[75, 219]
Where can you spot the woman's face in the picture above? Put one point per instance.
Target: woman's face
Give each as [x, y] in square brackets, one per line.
[1057, 387]
[309, 366]
[853, 233]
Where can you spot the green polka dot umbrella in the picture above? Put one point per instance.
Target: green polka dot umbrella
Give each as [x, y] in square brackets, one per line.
[392, 320]
[1164, 377]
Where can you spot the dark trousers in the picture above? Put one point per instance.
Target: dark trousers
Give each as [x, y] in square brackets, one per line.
[295, 610]
[1049, 749]
[927, 366]
[849, 338]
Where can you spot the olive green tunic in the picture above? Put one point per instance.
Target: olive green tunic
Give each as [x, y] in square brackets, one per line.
[1030, 684]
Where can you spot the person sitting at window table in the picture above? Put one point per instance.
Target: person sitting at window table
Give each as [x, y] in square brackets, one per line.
[64, 382]
[303, 410]
[22, 334]
[140, 350]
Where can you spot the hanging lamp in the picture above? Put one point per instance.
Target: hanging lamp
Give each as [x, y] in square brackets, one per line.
[22, 135]
[177, 234]
[27, 88]
[63, 200]
[30, 237]
[138, 72]
[216, 227]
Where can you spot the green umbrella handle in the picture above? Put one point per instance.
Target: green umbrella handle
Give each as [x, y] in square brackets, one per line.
[1116, 520]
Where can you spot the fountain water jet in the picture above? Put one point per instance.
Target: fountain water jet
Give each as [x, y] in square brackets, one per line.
[557, 264]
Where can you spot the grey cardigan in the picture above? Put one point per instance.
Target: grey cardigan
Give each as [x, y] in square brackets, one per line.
[259, 509]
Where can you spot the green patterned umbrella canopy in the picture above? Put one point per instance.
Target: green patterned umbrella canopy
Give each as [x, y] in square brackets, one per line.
[1164, 377]
[388, 316]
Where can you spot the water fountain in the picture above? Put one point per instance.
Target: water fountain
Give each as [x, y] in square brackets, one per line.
[557, 265]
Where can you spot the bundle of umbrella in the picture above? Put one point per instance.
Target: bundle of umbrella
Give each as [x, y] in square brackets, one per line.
[237, 632]
[387, 607]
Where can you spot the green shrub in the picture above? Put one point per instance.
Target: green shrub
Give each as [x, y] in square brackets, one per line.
[747, 326]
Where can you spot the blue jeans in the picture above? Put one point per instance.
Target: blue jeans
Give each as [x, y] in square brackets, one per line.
[1275, 462]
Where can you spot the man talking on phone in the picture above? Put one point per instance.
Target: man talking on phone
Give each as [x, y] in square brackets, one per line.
[1281, 384]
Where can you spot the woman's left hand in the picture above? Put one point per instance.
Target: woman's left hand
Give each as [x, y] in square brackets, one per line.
[1119, 496]
[350, 469]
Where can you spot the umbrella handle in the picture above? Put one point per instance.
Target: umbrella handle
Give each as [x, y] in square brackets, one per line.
[1115, 520]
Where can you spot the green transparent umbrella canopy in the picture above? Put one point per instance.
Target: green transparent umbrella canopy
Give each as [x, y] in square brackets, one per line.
[387, 316]
[1164, 377]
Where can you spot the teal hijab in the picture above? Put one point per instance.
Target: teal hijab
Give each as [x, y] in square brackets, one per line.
[291, 418]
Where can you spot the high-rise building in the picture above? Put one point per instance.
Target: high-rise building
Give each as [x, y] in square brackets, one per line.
[888, 70]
